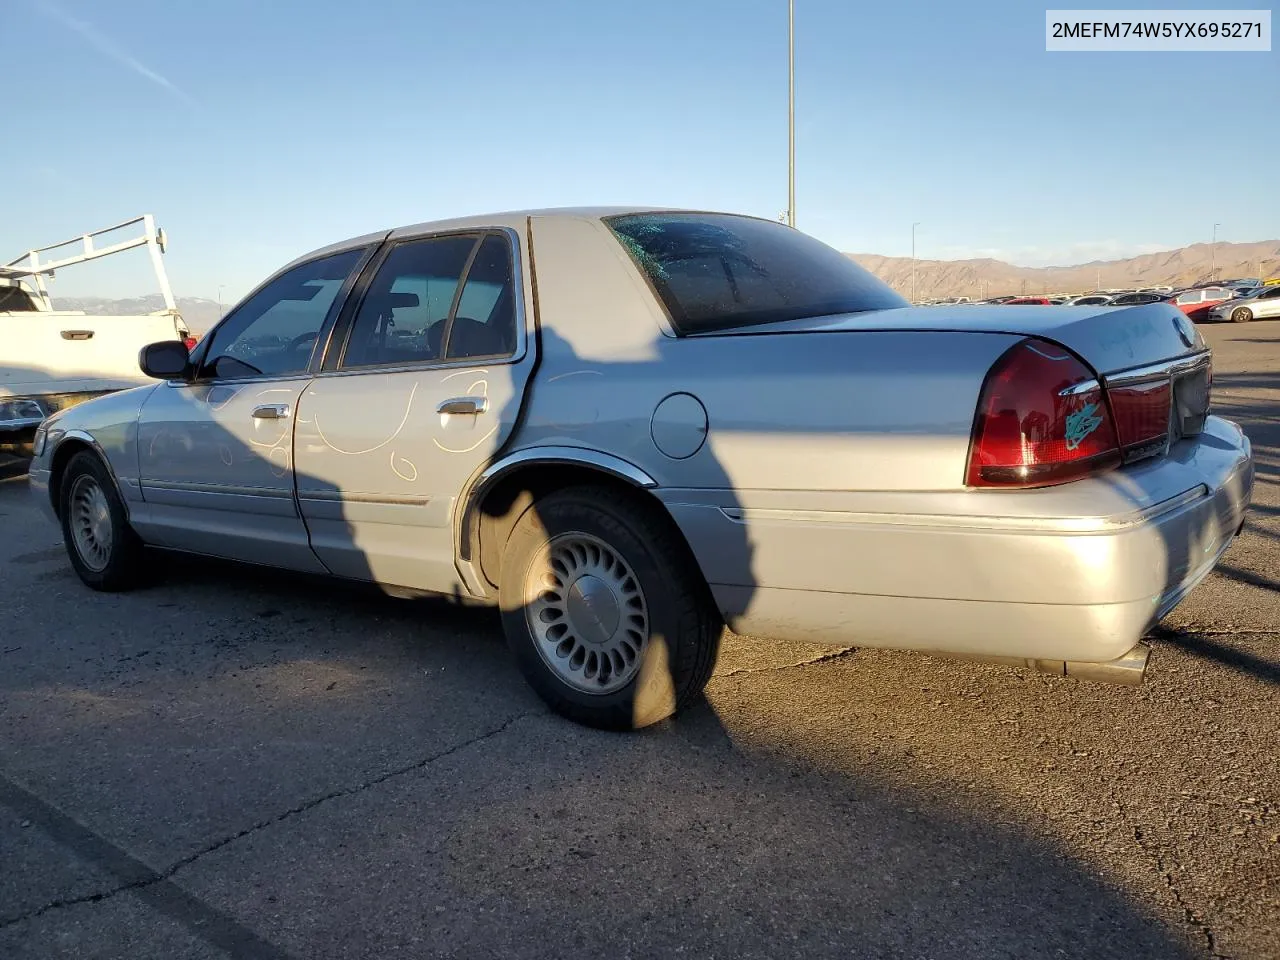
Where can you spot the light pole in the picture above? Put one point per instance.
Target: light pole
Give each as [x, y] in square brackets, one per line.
[220, 286]
[1213, 252]
[791, 113]
[913, 260]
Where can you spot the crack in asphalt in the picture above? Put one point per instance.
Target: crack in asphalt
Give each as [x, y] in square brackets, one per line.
[1192, 919]
[823, 658]
[73, 901]
[1188, 914]
[150, 877]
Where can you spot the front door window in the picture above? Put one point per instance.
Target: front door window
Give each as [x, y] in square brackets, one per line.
[274, 332]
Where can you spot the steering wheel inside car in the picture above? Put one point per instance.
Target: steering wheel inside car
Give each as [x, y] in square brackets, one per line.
[302, 338]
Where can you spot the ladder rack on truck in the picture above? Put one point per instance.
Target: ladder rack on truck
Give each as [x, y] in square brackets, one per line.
[51, 358]
[32, 268]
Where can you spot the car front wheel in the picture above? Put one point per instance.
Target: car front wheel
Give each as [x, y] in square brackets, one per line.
[605, 610]
[1241, 315]
[103, 548]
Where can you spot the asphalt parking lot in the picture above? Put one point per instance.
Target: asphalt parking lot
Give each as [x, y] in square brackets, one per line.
[239, 763]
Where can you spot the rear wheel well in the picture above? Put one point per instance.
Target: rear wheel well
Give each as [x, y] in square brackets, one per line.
[61, 457]
[506, 501]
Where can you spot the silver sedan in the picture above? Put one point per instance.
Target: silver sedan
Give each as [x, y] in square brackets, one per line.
[626, 428]
[1263, 303]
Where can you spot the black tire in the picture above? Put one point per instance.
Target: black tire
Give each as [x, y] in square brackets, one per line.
[1241, 315]
[684, 627]
[121, 566]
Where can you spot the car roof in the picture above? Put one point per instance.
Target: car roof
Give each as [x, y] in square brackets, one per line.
[502, 218]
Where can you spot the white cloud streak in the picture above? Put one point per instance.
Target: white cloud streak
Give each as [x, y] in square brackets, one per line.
[110, 49]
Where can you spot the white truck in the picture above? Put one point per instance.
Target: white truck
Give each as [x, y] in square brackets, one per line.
[51, 358]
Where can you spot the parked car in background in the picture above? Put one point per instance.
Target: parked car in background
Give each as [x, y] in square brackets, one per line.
[1196, 302]
[1241, 283]
[671, 421]
[1028, 301]
[1090, 300]
[1262, 303]
[1139, 298]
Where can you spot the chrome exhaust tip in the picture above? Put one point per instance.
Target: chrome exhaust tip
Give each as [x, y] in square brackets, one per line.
[1128, 670]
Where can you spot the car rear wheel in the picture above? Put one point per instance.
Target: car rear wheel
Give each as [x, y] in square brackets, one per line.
[605, 610]
[1241, 315]
[104, 550]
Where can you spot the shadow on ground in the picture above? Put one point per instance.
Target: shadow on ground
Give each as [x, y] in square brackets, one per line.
[346, 774]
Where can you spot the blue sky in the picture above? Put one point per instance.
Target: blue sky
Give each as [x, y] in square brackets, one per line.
[255, 131]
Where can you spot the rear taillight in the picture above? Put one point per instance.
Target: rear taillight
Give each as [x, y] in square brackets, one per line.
[1141, 414]
[1041, 419]
[189, 343]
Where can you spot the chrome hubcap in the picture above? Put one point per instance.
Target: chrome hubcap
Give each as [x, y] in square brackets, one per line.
[90, 523]
[587, 614]
[1241, 315]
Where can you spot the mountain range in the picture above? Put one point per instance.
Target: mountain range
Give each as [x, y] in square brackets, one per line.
[199, 313]
[934, 279]
[990, 278]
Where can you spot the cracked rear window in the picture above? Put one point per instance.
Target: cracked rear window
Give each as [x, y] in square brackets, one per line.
[720, 271]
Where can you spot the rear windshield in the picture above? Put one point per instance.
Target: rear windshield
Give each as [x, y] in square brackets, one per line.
[717, 271]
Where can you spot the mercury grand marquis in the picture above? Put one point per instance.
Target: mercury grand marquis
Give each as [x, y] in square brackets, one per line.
[627, 428]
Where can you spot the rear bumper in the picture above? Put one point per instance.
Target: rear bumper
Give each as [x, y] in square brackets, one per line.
[1053, 579]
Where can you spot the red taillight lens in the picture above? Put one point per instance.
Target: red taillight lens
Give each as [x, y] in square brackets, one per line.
[1041, 420]
[1141, 413]
[189, 343]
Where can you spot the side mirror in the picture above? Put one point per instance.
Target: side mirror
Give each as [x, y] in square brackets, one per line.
[166, 360]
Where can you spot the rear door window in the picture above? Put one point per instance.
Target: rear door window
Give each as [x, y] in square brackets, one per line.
[436, 299]
[403, 315]
[484, 324]
[720, 271]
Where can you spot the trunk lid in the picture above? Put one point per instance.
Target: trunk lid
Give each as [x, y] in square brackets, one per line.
[1109, 339]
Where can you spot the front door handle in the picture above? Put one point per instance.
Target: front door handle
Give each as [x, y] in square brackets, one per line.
[470, 405]
[271, 411]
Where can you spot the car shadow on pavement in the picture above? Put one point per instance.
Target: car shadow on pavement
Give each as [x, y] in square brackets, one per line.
[1247, 576]
[1206, 648]
[391, 780]
[444, 810]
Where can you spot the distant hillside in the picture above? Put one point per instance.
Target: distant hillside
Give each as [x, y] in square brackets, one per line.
[991, 278]
[934, 278]
[200, 314]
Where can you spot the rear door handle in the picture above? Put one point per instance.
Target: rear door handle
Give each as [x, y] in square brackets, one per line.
[271, 411]
[77, 334]
[470, 405]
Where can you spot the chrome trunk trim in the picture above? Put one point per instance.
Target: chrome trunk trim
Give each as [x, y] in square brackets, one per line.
[1165, 369]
